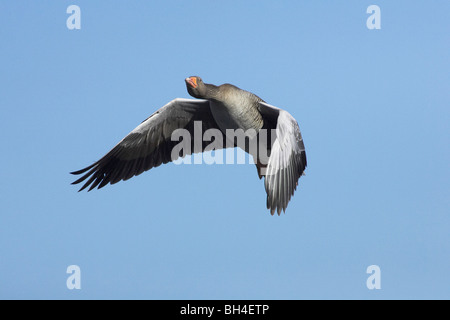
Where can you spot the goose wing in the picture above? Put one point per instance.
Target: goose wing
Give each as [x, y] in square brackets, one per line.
[150, 144]
[287, 159]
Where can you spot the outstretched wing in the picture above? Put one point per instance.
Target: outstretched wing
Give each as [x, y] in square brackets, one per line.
[150, 144]
[287, 159]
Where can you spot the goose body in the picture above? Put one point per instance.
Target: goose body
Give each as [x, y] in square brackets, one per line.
[222, 108]
[235, 109]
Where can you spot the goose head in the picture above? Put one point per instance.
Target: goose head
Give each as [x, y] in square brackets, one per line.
[196, 87]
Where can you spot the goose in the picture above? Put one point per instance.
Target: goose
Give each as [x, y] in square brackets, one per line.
[222, 108]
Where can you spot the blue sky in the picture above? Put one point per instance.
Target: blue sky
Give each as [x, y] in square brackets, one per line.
[372, 105]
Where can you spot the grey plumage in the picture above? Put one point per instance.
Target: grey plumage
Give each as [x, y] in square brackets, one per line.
[222, 107]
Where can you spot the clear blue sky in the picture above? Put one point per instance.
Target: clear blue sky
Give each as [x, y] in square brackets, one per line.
[373, 107]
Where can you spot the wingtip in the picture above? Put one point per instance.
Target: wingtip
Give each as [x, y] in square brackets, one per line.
[78, 172]
[272, 210]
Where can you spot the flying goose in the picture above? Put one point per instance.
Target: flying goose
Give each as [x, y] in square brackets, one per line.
[219, 107]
